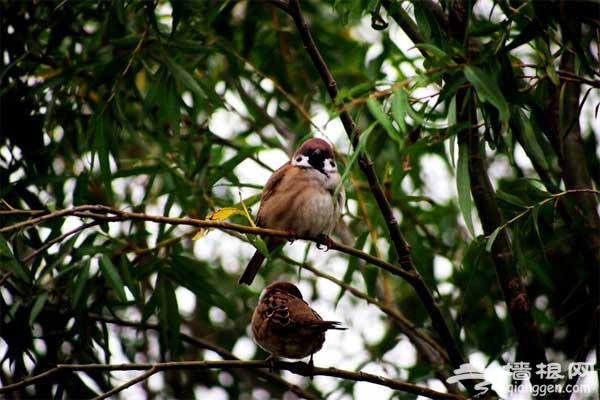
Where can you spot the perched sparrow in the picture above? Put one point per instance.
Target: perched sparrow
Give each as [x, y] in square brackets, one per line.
[285, 326]
[299, 198]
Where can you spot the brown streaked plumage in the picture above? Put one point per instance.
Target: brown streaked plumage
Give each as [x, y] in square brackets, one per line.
[284, 325]
[299, 198]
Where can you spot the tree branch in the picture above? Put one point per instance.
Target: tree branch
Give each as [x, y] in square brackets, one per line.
[108, 214]
[406, 326]
[298, 368]
[405, 22]
[515, 296]
[129, 383]
[427, 347]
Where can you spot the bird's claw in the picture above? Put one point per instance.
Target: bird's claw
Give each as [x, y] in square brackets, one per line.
[311, 365]
[271, 360]
[324, 240]
[292, 237]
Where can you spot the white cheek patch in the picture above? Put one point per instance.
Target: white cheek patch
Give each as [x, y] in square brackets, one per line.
[301, 161]
[329, 166]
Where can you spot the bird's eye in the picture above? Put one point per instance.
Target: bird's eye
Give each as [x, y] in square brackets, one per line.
[332, 163]
[299, 158]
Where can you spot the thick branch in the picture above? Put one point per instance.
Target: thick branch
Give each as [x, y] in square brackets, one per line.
[528, 338]
[404, 21]
[577, 176]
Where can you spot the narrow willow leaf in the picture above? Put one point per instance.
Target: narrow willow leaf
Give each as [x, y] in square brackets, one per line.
[487, 89]
[530, 141]
[510, 198]
[218, 215]
[184, 77]
[168, 315]
[9, 262]
[534, 217]
[37, 307]
[80, 283]
[452, 122]
[112, 277]
[492, 238]
[382, 118]
[126, 275]
[463, 186]
[261, 246]
[224, 213]
[399, 108]
[362, 142]
[200, 234]
[436, 52]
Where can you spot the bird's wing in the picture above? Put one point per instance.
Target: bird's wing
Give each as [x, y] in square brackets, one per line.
[269, 189]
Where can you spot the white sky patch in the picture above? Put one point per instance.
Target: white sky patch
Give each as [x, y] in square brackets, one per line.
[442, 267]
[214, 393]
[364, 390]
[186, 301]
[440, 184]
[244, 348]
[226, 124]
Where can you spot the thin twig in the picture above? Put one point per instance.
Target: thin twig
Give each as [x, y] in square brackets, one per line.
[129, 383]
[407, 326]
[57, 239]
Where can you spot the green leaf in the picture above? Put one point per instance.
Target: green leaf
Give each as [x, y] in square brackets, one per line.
[198, 277]
[382, 118]
[112, 277]
[37, 307]
[399, 108]
[487, 89]
[80, 284]
[492, 238]
[510, 198]
[530, 141]
[125, 273]
[182, 75]
[170, 319]
[362, 142]
[10, 263]
[534, 216]
[437, 53]
[370, 274]
[463, 186]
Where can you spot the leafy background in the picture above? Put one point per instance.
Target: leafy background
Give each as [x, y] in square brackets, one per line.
[479, 119]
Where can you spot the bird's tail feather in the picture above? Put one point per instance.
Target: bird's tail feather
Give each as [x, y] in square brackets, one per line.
[252, 268]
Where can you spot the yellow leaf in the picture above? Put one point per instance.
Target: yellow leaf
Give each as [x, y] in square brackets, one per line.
[140, 81]
[224, 213]
[219, 215]
[200, 234]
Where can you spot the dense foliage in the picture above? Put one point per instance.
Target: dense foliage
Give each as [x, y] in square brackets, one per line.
[472, 168]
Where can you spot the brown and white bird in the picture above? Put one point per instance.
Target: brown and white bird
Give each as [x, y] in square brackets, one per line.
[299, 197]
[284, 325]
